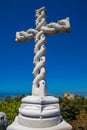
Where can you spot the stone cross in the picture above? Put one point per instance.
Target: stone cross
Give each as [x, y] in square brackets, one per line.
[42, 29]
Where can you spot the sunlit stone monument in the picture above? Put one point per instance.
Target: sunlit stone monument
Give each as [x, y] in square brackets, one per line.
[39, 111]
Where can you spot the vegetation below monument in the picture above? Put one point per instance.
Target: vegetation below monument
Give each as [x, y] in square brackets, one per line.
[74, 111]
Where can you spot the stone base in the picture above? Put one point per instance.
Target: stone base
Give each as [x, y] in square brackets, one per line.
[16, 126]
[39, 113]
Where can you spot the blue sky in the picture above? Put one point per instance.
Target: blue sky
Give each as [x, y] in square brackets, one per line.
[66, 53]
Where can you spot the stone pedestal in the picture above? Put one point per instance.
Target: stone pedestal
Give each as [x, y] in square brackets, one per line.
[39, 113]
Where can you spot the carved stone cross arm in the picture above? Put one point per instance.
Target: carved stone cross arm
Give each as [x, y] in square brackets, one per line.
[62, 26]
[23, 36]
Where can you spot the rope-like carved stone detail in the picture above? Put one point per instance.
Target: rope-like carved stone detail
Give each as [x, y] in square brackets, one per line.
[62, 26]
[39, 58]
[24, 36]
[39, 61]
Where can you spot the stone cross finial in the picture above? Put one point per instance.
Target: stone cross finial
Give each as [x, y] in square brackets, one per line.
[42, 29]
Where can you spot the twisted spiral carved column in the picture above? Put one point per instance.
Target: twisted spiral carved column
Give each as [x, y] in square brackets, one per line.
[39, 84]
